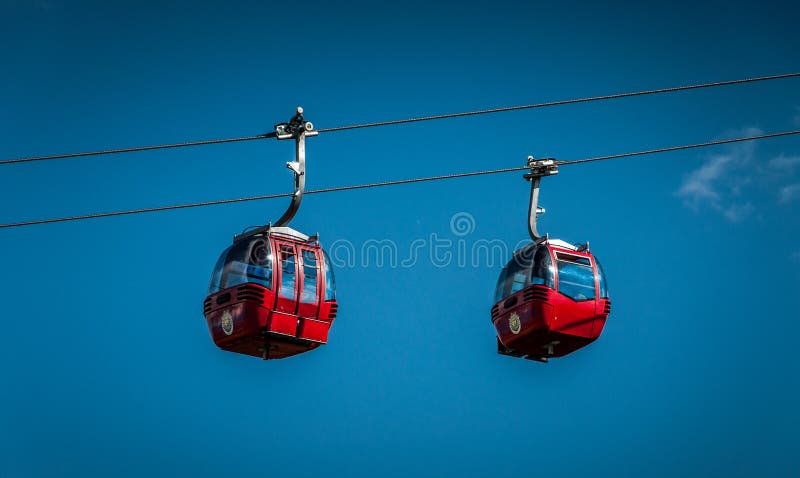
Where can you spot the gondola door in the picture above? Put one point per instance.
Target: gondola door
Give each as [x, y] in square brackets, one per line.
[287, 278]
[577, 289]
[308, 305]
[311, 326]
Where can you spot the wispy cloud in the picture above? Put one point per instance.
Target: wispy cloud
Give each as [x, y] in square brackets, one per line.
[718, 183]
[725, 181]
[789, 193]
[796, 256]
[738, 212]
[700, 185]
[784, 163]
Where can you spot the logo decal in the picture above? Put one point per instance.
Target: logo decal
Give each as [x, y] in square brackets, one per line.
[227, 323]
[514, 323]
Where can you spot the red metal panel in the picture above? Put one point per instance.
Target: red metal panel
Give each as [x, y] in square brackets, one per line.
[315, 330]
[233, 321]
[285, 324]
[601, 314]
[521, 319]
[571, 317]
[328, 310]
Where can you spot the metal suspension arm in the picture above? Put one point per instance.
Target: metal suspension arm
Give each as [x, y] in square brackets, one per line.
[297, 128]
[539, 168]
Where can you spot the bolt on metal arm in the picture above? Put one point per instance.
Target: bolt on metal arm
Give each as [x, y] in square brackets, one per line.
[539, 168]
[297, 128]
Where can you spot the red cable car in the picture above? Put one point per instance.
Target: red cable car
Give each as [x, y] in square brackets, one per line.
[272, 293]
[551, 299]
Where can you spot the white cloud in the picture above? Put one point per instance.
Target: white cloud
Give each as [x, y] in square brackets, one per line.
[724, 182]
[738, 212]
[783, 163]
[720, 180]
[788, 193]
[700, 185]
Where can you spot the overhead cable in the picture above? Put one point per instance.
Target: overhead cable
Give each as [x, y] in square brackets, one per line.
[411, 120]
[396, 182]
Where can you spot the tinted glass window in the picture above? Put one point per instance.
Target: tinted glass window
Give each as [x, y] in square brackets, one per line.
[518, 275]
[330, 282]
[601, 279]
[530, 265]
[249, 260]
[215, 277]
[288, 272]
[498, 291]
[309, 295]
[542, 272]
[575, 278]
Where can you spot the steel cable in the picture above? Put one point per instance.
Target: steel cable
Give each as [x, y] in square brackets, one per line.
[397, 182]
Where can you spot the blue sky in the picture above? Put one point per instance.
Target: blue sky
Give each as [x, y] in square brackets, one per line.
[108, 369]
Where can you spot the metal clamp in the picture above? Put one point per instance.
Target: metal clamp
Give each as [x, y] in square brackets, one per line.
[295, 127]
[539, 168]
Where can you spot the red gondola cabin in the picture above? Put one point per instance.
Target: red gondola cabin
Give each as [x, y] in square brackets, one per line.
[272, 295]
[551, 299]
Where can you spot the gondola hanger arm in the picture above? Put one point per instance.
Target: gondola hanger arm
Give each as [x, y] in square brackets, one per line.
[538, 169]
[298, 129]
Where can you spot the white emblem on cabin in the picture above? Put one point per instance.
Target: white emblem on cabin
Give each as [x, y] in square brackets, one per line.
[514, 323]
[227, 323]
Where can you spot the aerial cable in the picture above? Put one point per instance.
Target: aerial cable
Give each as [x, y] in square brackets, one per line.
[138, 148]
[397, 182]
[410, 120]
[561, 102]
[677, 148]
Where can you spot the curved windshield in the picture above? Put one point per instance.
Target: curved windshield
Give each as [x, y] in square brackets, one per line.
[530, 265]
[330, 282]
[249, 260]
[601, 279]
[542, 272]
[575, 276]
[498, 290]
